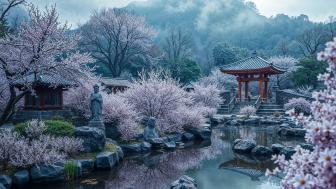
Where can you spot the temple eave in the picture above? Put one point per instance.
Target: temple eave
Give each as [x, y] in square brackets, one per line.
[269, 71]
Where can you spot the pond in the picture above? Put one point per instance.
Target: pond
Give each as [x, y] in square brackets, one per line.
[212, 164]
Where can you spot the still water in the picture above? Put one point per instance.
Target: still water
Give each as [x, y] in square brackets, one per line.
[212, 164]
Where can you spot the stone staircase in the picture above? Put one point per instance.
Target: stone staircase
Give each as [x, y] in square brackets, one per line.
[270, 108]
[224, 108]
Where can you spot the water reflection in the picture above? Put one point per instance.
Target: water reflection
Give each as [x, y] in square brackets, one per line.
[213, 165]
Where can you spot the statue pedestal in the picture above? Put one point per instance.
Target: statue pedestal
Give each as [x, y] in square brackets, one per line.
[97, 124]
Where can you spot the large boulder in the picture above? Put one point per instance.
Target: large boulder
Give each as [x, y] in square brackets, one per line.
[291, 132]
[307, 146]
[21, 178]
[288, 152]
[146, 146]
[170, 145]
[94, 138]
[47, 173]
[87, 165]
[6, 181]
[157, 142]
[276, 148]
[202, 134]
[2, 186]
[184, 182]
[262, 152]
[131, 148]
[105, 160]
[112, 131]
[244, 146]
[188, 137]
[175, 137]
[205, 134]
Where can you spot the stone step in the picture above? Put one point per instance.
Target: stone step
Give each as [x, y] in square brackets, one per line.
[271, 110]
[270, 107]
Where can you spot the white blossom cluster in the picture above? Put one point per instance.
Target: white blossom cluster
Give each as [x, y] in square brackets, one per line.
[248, 110]
[153, 95]
[316, 169]
[300, 105]
[36, 148]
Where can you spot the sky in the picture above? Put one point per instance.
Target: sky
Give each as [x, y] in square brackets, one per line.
[78, 11]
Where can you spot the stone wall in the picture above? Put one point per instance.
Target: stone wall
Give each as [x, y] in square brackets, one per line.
[24, 115]
[282, 96]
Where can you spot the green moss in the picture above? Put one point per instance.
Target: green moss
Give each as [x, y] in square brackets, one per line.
[54, 127]
[59, 128]
[110, 147]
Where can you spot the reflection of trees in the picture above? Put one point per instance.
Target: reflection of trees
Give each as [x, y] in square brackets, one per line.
[156, 170]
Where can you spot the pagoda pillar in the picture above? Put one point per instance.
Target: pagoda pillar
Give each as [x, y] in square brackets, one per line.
[239, 90]
[246, 89]
[266, 90]
[261, 89]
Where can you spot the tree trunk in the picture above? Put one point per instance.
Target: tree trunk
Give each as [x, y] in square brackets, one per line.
[10, 106]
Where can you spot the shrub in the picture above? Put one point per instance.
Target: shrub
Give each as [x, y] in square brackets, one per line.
[35, 147]
[59, 128]
[70, 170]
[53, 127]
[248, 111]
[300, 105]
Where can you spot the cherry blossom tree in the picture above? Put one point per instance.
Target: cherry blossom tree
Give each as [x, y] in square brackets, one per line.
[7, 5]
[222, 81]
[41, 47]
[157, 95]
[116, 38]
[287, 63]
[316, 169]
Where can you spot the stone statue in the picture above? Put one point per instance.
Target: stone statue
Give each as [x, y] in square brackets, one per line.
[150, 131]
[96, 104]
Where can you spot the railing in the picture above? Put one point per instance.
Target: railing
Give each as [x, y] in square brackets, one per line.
[258, 102]
[231, 105]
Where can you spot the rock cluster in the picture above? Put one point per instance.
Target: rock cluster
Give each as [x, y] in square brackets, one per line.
[263, 152]
[184, 182]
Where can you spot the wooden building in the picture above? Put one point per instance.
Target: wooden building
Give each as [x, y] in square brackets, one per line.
[48, 92]
[252, 69]
[114, 85]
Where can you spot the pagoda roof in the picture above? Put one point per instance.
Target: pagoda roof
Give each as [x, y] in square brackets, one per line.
[252, 65]
[116, 82]
[44, 80]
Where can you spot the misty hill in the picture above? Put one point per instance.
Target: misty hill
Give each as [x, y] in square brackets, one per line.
[233, 21]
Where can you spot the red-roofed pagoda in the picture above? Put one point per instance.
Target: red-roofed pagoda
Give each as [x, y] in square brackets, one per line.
[251, 69]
